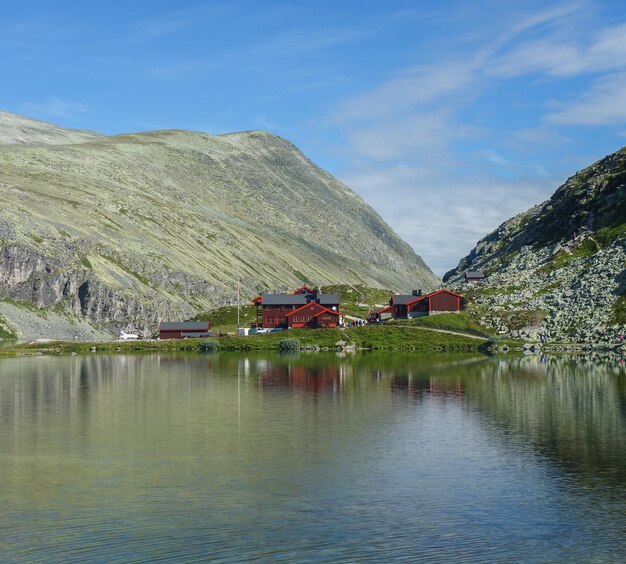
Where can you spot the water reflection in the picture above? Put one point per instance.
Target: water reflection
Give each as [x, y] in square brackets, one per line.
[313, 456]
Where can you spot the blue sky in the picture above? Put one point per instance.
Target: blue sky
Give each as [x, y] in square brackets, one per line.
[447, 117]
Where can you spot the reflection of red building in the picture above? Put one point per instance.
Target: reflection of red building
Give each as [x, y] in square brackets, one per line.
[304, 308]
[302, 377]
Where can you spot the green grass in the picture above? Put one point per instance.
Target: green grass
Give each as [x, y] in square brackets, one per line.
[463, 321]
[134, 274]
[85, 262]
[225, 318]
[484, 291]
[369, 337]
[30, 306]
[352, 296]
[6, 333]
[522, 318]
[607, 235]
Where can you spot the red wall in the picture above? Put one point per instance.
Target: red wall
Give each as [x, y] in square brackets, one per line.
[444, 302]
[274, 316]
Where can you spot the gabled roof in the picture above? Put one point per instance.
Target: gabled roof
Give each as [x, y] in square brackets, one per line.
[403, 299]
[442, 291]
[321, 308]
[384, 309]
[308, 289]
[474, 274]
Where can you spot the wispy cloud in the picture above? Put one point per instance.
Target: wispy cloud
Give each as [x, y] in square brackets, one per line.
[446, 218]
[603, 104]
[410, 89]
[413, 124]
[263, 122]
[54, 108]
[294, 41]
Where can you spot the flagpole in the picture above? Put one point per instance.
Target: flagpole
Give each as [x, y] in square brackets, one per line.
[238, 300]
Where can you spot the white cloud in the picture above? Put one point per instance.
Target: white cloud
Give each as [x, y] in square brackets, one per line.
[404, 135]
[561, 55]
[54, 108]
[412, 88]
[443, 217]
[603, 104]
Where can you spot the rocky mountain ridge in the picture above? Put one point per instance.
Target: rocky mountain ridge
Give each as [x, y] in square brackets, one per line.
[563, 260]
[122, 232]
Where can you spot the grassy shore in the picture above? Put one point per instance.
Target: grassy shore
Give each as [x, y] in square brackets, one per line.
[367, 338]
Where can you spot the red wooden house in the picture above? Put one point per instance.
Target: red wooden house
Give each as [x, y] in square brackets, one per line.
[279, 310]
[416, 305]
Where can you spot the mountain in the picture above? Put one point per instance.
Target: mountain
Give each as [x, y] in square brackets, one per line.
[564, 260]
[20, 130]
[125, 231]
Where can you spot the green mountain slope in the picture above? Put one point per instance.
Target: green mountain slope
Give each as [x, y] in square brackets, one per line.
[132, 229]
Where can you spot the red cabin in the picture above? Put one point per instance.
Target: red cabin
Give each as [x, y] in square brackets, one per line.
[416, 305]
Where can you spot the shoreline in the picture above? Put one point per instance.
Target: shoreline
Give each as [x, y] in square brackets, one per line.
[358, 339]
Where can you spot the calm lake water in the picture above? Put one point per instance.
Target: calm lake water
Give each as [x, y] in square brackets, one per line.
[380, 457]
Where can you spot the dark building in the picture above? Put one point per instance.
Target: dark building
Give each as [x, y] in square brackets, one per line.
[474, 276]
[184, 329]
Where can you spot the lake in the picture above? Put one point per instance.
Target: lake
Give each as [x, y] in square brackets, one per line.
[312, 458]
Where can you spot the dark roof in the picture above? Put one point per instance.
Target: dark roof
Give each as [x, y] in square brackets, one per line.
[283, 299]
[403, 299]
[300, 299]
[474, 274]
[184, 326]
[328, 299]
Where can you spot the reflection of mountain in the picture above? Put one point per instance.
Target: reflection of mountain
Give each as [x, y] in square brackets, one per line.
[572, 410]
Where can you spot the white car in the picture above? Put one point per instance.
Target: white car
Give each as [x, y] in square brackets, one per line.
[128, 336]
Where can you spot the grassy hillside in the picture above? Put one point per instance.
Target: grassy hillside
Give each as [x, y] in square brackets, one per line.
[133, 229]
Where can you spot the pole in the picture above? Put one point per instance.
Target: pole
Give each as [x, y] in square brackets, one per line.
[238, 300]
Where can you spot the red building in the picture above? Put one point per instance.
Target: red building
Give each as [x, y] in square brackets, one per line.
[184, 330]
[288, 310]
[415, 305]
[312, 316]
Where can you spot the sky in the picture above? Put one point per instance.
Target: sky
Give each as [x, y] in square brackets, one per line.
[447, 117]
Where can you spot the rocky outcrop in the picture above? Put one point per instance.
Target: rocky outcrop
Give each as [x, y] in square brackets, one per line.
[129, 230]
[565, 260]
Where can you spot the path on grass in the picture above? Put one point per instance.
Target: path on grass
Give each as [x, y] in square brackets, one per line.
[459, 333]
